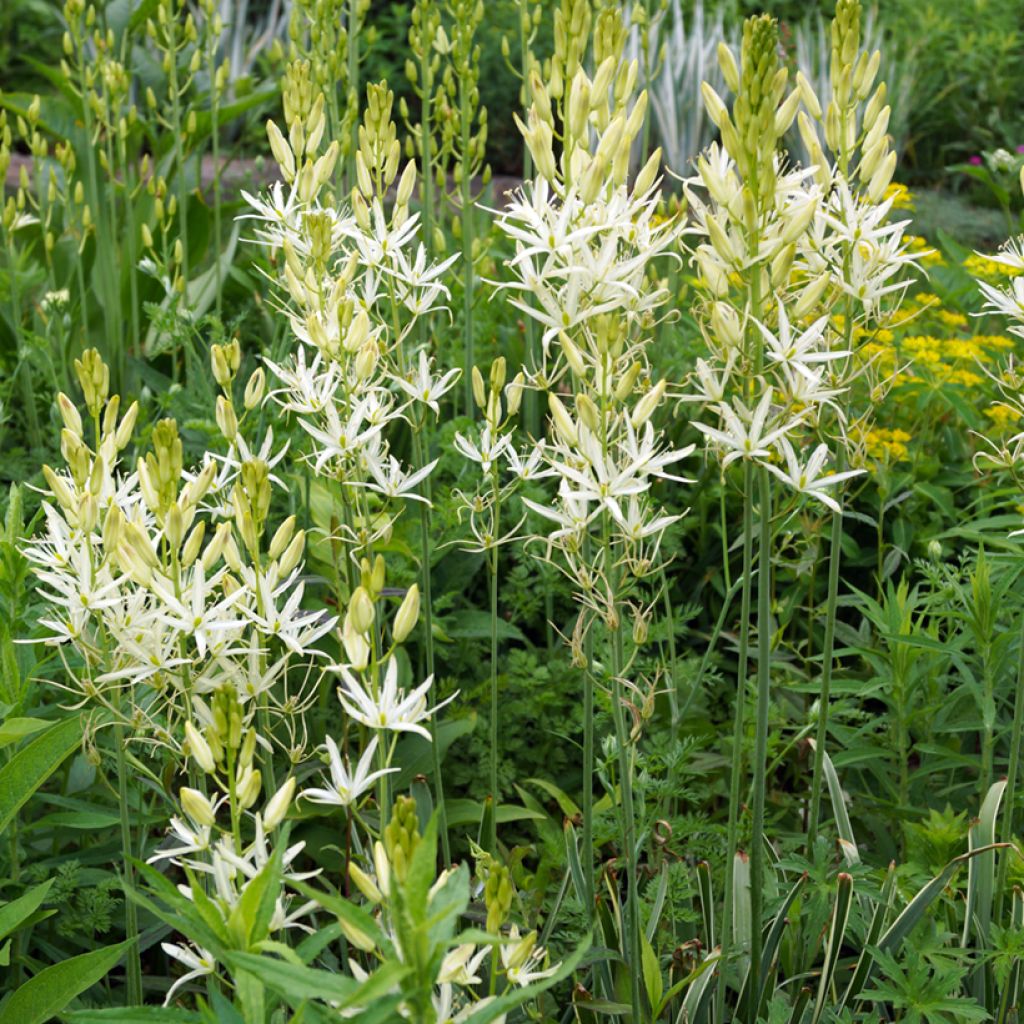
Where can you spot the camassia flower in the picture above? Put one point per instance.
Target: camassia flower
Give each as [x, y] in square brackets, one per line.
[346, 787]
[390, 707]
[200, 963]
[744, 434]
[808, 478]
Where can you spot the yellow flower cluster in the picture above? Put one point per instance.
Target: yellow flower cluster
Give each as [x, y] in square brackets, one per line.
[901, 196]
[886, 445]
[1004, 417]
[988, 268]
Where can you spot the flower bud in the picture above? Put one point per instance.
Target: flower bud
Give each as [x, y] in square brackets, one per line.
[293, 553]
[646, 406]
[360, 610]
[197, 807]
[408, 615]
[573, 356]
[808, 95]
[277, 807]
[124, 429]
[882, 178]
[588, 413]
[713, 104]
[357, 936]
[562, 420]
[255, 389]
[248, 788]
[648, 173]
[479, 388]
[364, 883]
[190, 552]
[730, 71]
[199, 749]
[69, 414]
[406, 184]
[627, 382]
[282, 152]
[227, 421]
[282, 537]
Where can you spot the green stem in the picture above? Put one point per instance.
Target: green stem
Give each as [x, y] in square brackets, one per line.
[215, 150]
[428, 644]
[352, 55]
[824, 695]
[466, 214]
[24, 366]
[133, 965]
[1012, 772]
[739, 724]
[493, 566]
[757, 866]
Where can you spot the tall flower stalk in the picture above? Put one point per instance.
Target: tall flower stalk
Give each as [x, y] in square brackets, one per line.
[356, 285]
[584, 240]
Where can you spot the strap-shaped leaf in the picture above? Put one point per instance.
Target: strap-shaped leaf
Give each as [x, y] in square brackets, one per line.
[33, 765]
[50, 991]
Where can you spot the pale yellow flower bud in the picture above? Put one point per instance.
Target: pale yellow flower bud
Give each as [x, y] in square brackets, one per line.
[588, 413]
[648, 173]
[197, 807]
[514, 394]
[190, 552]
[69, 414]
[407, 616]
[573, 356]
[811, 294]
[882, 178]
[562, 421]
[282, 537]
[646, 406]
[282, 152]
[479, 388]
[730, 70]
[406, 184]
[725, 323]
[361, 611]
[199, 749]
[357, 649]
[248, 788]
[227, 421]
[364, 883]
[808, 95]
[357, 936]
[713, 104]
[255, 389]
[293, 553]
[625, 386]
[277, 807]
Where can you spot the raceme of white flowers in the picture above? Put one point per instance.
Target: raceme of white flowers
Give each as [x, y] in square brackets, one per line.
[796, 263]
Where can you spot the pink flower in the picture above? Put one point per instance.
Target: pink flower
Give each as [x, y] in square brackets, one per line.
[1020, 149]
[976, 160]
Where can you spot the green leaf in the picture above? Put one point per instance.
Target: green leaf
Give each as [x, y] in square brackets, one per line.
[14, 730]
[652, 973]
[133, 1015]
[33, 764]
[468, 812]
[840, 918]
[15, 913]
[299, 984]
[565, 803]
[475, 624]
[45, 995]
